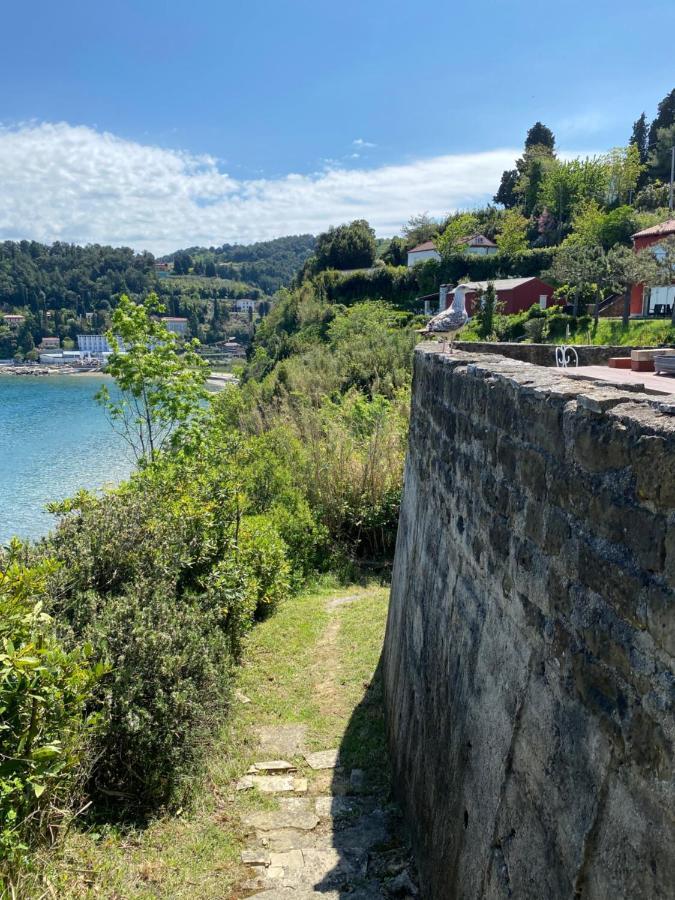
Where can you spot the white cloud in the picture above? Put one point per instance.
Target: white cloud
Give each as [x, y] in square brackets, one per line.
[73, 183]
[359, 142]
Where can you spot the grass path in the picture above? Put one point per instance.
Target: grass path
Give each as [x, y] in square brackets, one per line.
[312, 663]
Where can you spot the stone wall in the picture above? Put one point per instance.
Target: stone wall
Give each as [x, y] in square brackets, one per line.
[544, 354]
[528, 661]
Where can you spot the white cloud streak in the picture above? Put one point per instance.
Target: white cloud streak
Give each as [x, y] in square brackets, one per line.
[73, 183]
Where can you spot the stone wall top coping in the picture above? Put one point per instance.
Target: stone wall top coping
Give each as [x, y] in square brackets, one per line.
[595, 398]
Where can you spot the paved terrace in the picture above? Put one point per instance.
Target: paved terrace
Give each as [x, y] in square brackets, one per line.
[644, 382]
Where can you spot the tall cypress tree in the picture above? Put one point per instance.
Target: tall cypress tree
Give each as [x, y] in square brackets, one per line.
[665, 117]
[640, 137]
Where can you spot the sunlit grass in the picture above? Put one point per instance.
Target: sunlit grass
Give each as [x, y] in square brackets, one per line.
[303, 665]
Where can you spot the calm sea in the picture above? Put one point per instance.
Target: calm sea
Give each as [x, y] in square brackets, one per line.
[54, 439]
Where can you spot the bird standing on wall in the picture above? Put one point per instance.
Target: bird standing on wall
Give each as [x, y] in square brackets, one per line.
[448, 322]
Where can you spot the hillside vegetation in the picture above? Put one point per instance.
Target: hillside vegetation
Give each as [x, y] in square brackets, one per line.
[64, 290]
[267, 265]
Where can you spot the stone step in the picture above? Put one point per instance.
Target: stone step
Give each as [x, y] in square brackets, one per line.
[293, 812]
[312, 868]
[273, 784]
[272, 767]
[282, 740]
[324, 759]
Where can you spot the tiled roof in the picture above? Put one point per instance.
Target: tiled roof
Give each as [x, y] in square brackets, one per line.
[501, 284]
[664, 228]
[427, 245]
[477, 240]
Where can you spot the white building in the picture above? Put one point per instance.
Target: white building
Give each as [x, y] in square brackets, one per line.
[422, 252]
[12, 319]
[245, 305]
[478, 245]
[63, 358]
[93, 344]
[176, 325]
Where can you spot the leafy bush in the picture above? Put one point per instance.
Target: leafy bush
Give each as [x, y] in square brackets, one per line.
[166, 691]
[44, 728]
[261, 553]
[163, 576]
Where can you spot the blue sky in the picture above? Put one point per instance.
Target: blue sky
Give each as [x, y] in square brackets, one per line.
[247, 108]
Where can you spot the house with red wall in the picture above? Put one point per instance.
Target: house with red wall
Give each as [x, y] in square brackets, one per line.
[516, 294]
[644, 301]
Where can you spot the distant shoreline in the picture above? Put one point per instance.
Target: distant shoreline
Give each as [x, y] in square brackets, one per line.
[45, 371]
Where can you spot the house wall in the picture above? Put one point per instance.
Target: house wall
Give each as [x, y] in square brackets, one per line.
[514, 300]
[529, 650]
[422, 256]
[639, 302]
[481, 251]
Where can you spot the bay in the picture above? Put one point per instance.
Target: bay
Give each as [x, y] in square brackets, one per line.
[54, 440]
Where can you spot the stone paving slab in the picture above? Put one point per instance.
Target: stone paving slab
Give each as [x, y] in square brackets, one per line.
[272, 767]
[282, 740]
[324, 759]
[334, 807]
[293, 812]
[273, 784]
[283, 839]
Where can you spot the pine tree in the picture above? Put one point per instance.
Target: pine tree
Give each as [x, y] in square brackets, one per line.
[665, 117]
[640, 137]
[506, 195]
[540, 136]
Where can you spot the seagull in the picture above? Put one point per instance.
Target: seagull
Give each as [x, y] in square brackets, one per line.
[448, 322]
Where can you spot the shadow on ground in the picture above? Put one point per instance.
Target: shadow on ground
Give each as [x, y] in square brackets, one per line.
[374, 859]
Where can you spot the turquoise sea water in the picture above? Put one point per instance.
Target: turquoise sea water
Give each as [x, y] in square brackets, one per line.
[54, 439]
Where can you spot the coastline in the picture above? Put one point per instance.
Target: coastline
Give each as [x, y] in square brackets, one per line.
[45, 371]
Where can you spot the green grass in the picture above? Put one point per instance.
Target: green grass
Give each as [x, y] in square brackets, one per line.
[639, 333]
[303, 665]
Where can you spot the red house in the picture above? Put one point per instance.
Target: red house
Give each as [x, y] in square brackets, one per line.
[642, 302]
[516, 294]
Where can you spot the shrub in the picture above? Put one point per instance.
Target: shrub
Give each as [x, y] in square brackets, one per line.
[262, 556]
[167, 689]
[163, 577]
[44, 727]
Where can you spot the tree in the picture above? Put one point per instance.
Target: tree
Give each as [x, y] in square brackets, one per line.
[512, 237]
[656, 265]
[660, 156]
[594, 226]
[182, 263]
[506, 194]
[567, 185]
[624, 169]
[350, 246]
[534, 167]
[160, 386]
[396, 254]
[540, 136]
[577, 265]
[486, 311]
[665, 117]
[419, 229]
[459, 227]
[640, 137]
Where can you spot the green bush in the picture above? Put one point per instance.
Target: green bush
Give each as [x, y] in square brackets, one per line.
[166, 691]
[45, 730]
[261, 553]
[163, 576]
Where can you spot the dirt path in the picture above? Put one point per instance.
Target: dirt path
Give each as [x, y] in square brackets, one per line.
[272, 820]
[333, 832]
